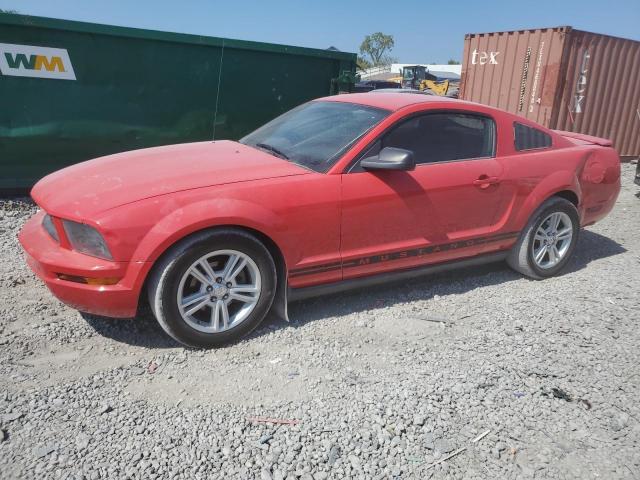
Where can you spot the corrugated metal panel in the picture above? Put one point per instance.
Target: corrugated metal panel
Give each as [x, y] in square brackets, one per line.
[601, 94]
[542, 73]
[516, 71]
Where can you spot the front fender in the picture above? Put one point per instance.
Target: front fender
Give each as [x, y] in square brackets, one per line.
[183, 220]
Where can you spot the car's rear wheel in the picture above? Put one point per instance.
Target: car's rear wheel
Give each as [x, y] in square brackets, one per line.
[548, 241]
[213, 287]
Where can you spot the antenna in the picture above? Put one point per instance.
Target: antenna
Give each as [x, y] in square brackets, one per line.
[215, 114]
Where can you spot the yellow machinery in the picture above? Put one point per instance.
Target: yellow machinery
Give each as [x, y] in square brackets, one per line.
[439, 88]
[418, 78]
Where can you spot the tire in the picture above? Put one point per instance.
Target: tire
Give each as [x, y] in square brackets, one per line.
[179, 274]
[522, 256]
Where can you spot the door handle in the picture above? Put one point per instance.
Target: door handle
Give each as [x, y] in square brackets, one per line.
[484, 181]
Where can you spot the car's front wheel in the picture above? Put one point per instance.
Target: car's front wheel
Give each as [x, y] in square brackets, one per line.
[548, 241]
[213, 288]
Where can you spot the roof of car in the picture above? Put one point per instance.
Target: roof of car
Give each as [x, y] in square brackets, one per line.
[387, 100]
[402, 90]
[395, 101]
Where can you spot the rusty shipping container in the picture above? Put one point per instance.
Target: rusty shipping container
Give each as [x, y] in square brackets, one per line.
[563, 78]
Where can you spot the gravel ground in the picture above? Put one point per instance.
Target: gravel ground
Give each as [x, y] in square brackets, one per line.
[385, 383]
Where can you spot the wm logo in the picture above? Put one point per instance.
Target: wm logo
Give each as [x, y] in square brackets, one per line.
[30, 61]
[34, 62]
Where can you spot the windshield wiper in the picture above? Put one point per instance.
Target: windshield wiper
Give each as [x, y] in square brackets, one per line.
[272, 149]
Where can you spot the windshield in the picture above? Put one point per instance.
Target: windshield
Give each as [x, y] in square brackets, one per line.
[407, 74]
[315, 134]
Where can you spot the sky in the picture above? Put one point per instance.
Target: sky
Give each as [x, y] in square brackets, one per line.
[424, 31]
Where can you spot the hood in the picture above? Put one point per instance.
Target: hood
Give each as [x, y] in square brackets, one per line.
[107, 182]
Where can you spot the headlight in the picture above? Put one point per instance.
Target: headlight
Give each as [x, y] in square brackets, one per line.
[48, 225]
[86, 239]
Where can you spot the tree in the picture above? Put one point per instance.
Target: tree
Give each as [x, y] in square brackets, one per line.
[377, 46]
[362, 63]
[453, 62]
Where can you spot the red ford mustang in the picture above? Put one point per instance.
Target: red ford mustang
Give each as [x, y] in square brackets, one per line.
[344, 191]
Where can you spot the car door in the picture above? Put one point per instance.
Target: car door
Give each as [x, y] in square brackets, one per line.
[444, 209]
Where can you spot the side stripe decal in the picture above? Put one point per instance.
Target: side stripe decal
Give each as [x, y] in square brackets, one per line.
[387, 257]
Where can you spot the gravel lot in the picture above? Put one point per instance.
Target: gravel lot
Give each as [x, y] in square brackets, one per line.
[377, 384]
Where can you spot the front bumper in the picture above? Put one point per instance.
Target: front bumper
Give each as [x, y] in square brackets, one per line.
[48, 259]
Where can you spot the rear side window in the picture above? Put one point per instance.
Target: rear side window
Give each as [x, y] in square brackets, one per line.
[442, 137]
[529, 138]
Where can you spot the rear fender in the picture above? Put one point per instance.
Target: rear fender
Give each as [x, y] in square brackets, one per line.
[600, 183]
[561, 180]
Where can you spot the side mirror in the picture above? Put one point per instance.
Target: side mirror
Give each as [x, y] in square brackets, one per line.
[390, 158]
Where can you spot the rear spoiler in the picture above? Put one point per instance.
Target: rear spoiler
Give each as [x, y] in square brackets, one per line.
[585, 139]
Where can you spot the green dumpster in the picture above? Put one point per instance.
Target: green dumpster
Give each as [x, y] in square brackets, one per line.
[72, 91]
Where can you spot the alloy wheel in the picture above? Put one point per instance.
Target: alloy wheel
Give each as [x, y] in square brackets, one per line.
[219, 291]
[552, 240]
